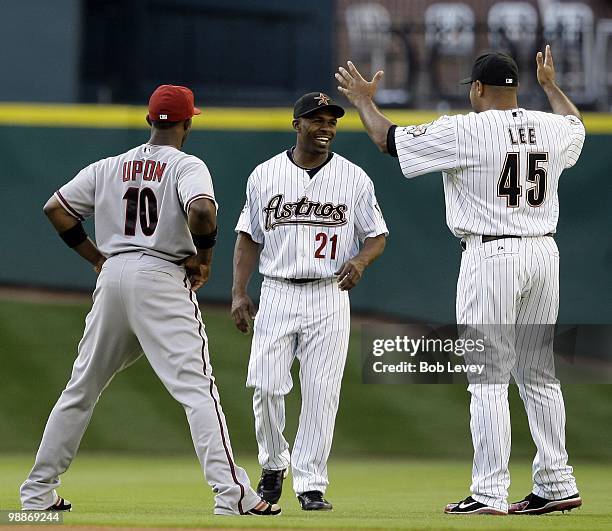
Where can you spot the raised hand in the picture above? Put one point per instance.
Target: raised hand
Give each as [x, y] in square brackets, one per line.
[354, 86]
[546, 68]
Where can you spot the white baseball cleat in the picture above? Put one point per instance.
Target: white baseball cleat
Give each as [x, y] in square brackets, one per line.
[471, 506]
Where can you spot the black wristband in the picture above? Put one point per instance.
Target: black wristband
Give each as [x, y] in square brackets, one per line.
[74, 235]
[204, 241]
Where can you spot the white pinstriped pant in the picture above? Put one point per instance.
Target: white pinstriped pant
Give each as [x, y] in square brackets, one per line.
[310, 322]
[142, 301]
[507, 282]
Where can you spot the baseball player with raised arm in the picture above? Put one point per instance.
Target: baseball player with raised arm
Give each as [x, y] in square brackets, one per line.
[307, 211]
[501, 166]
[156, 224]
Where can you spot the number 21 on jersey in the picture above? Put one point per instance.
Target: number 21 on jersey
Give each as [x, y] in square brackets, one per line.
[322, 239]
[509, 185]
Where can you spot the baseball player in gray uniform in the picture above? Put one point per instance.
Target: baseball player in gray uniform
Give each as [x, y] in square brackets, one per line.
[501, 166]
[155, 221]
[307, 210]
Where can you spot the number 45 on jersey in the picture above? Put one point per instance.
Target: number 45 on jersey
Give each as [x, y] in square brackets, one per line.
[509, 185]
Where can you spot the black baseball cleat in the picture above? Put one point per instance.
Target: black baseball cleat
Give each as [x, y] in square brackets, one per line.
[534, 504]
[60, 505]
[270, 485]
[263, 508]
[313, 500]
[471, 506]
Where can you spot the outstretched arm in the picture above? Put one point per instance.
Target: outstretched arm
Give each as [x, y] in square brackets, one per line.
[559, 102]
[360, 93]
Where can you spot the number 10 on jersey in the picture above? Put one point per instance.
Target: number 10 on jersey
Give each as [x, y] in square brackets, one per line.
[141, 203]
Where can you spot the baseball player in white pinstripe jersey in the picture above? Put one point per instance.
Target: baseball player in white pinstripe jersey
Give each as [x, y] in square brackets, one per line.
[156, 216]
[307, 209]
[501, 166]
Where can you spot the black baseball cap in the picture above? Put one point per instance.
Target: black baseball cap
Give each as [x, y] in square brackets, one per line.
[494, 68]
[313, 101]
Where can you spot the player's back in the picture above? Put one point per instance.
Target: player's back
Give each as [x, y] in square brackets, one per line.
[507, 171]
[140, 199]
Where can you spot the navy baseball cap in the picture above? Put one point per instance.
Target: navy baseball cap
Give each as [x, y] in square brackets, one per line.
[313, 101]
[494, 68]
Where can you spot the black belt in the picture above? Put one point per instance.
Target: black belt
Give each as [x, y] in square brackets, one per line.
[487, 238]
[301, 280]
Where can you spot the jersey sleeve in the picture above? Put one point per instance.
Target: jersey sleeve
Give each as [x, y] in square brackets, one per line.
[194, 182]
[427, 147]
[78, 196]
[369, 221]
[577, 134]
[249, 221]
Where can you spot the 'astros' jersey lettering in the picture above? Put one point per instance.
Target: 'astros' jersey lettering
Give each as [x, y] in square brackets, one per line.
[309, 226]
[501, 168]
[141, 199]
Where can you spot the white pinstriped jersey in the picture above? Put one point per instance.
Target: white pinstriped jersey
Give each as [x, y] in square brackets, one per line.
[140, 199]
[309, 226]
[501, 169]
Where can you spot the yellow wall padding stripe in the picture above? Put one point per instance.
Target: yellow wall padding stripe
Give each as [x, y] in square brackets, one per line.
[214, 118]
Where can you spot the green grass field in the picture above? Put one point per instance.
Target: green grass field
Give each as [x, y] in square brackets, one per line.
[368, 494]
[38, 342]
[401, 452]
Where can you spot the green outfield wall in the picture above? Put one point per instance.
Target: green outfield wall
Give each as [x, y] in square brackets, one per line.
[43, 147]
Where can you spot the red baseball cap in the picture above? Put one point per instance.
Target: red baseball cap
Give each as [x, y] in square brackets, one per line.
[171, 103]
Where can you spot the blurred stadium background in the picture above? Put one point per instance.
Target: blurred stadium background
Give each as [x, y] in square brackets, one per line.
[77, 75]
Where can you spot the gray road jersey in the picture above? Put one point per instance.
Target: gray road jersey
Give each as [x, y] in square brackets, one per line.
[140, 200]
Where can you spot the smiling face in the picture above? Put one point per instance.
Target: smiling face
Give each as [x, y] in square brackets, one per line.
[316, 131]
